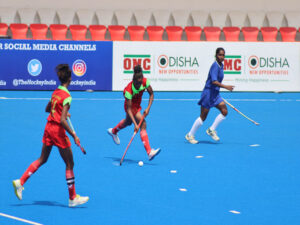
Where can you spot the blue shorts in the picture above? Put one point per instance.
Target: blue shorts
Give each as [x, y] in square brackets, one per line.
[210, 98]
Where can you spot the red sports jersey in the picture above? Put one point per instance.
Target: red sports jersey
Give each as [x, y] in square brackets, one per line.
[136, 95]
[60, 97]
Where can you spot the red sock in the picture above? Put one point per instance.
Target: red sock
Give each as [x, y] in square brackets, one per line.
[120, 126]
[71, 183]
[30, 170]
[145, 140]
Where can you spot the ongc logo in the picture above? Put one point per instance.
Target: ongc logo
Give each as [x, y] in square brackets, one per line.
[130, 61]
[232, 64]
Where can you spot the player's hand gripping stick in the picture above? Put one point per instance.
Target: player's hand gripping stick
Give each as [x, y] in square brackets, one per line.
[78, 143]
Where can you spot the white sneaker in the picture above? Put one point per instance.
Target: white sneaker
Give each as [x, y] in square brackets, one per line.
[114, 136]
[153, 153]
[18, 188]
[213, 134]
[191, 139]
[78, 200]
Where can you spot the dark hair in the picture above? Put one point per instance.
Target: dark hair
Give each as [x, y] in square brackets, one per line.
[219, 49]
[137, 72]
[63, 72]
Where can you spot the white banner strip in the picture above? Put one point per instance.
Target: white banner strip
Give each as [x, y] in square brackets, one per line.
[184, 66]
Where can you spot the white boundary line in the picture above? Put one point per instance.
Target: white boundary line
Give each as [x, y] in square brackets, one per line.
[19, 219]
[159, 99]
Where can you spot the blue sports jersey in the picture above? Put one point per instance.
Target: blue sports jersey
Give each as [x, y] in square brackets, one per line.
[210, 96]
[216, 73]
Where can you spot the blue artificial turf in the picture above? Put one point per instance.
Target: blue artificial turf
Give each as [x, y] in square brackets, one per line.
[262, 182]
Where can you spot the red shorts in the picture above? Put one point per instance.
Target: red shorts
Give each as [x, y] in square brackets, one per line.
[55, 134]
[135, 108]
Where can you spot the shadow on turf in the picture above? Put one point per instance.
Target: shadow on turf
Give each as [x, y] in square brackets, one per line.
[206, 142]
[47, 203]
[209, 142]
[116, 161]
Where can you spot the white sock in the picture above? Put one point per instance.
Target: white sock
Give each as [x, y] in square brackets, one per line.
[198, 122]
[217, 121]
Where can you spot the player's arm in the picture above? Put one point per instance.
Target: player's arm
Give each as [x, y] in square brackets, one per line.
[48, 107]
[64, 123]
[128, 98]
[214, 71]
[228, 87]
[151, 98]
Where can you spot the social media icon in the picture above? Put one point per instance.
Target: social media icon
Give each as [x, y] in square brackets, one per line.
[34, 67]
[79, 67]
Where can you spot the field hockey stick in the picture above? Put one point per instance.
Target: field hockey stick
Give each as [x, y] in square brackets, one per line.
[70, 123]
[135, 132]
[240, 112]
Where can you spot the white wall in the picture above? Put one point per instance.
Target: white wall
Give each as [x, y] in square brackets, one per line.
[211, 5]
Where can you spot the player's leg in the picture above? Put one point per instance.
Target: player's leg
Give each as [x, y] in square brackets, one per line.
[122, 124]
[222, 108]
[18, 184]
[143, 133]
[144, 137]
[223, 113]
[46, 150]
[221, 117]
[67, 156]
[190, 137]
[74, 199]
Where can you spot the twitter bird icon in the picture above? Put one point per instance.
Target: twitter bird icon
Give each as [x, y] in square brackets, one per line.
[34, 67]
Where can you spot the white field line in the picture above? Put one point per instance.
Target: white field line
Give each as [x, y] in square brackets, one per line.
[157, 99]
[286, 100]
[183, 189]
[254, 145]
[235, 212]
[19, 219]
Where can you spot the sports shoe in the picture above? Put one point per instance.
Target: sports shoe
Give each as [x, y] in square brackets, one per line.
[191, 139]
[213, 134]
[114, 136]
[18, 188]
[153, 153]
[78, 200]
